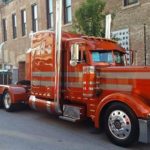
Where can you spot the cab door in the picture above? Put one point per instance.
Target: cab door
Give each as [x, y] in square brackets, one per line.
[74, 73]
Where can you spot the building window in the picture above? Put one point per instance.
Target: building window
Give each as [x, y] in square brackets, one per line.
[123, 39]
[67, 11]
[24, 22]
[130, 2]
[34, 18]
[4, 30]
[50, 22]
[14, 25]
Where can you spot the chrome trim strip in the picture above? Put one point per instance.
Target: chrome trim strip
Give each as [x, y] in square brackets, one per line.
[52, 74]
[74, 74]
[43, 74]
[116, 87]
[51, 84]
[74, 84]
[124, 75]
[43, 83]
[33, 100]
[48, 105]
[87, 95]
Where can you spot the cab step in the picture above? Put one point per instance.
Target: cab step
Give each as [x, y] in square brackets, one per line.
[68, 119]
[73, 113]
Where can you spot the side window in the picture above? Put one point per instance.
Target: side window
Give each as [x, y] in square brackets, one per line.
[82, 56]
[119, 59]
[130, 2]
[77, 54]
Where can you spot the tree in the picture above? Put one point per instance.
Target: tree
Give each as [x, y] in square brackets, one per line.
[89, 18]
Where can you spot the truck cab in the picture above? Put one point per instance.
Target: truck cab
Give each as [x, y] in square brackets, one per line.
[112, 56]
[91, 80]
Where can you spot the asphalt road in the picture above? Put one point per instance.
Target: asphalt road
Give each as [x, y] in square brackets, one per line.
[30, 130]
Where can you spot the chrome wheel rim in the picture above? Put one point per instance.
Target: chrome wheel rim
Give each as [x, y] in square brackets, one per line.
[7, 101]
[119, 124]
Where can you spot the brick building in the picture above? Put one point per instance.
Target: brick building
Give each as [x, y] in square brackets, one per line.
[128, 25]
[18, 18]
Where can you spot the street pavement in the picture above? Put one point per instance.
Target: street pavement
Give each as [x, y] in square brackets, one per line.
[30, 130]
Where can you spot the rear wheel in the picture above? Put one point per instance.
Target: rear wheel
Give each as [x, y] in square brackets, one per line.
[1, 102]
[8, 105]
[121, 125]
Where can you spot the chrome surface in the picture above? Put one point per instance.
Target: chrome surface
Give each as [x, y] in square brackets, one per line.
[119, 124]
[144, 130]
[7, 100]
[58, 34]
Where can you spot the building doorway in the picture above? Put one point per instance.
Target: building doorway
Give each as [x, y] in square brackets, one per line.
[21, 71]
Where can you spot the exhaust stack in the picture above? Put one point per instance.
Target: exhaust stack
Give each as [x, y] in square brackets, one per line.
[53, 106]
[58, 52]
[108, 27]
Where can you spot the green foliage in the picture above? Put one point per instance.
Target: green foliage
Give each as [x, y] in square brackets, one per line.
[90, 18]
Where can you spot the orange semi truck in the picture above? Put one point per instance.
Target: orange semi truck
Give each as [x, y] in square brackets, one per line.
[90, 80]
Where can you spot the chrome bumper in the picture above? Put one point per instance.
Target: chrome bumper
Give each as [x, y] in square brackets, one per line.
[144, 126]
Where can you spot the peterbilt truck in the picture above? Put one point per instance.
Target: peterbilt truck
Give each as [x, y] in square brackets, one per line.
[90, 80]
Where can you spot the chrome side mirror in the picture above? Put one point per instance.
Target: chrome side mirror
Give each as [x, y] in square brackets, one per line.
[74, 54]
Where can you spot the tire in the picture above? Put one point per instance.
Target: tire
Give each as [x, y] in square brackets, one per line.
[1, 102]
[121, 125]
[7, 101]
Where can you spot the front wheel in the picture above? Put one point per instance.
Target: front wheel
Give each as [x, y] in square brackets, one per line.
[121, 125]
[8, 105]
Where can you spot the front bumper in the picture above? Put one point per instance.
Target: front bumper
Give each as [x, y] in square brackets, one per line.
[144, 126]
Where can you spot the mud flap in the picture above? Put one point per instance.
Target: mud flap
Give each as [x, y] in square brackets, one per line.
[144, 126]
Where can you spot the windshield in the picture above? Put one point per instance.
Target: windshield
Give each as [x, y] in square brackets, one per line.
[119, 57]
[102, 56]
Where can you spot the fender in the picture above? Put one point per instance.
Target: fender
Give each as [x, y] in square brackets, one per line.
[136, 103]
[18, 93]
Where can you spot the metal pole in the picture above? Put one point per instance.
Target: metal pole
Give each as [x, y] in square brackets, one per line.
[58, 52]
[108, 26]
[145, 51]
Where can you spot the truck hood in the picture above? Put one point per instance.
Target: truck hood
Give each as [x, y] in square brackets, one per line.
[131, 79]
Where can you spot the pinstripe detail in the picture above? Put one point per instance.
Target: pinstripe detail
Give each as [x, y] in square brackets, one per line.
[74, 74]
[124, 75]
[52, 74]
[87, 95]
[116, 87]
[51, 84]
[43, 83]
[43, 74]
[74, 84]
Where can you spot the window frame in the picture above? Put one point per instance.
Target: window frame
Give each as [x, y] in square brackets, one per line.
[4, 29]
[127, 3]
[24, 22]
[50, 14]
[34, 9]
[14, 25]
[66, 12]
